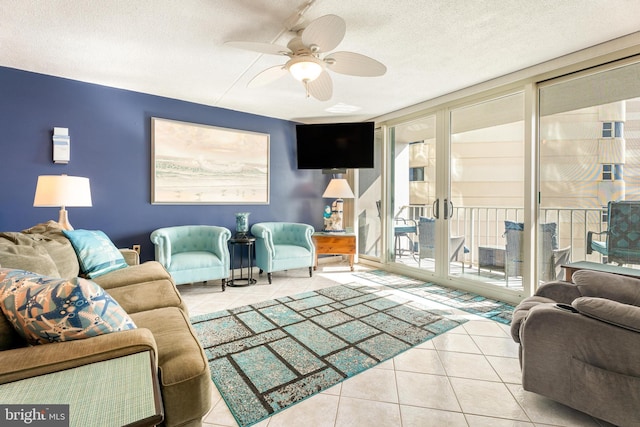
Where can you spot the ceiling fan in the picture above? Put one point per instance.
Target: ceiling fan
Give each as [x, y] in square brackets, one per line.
[305, 62]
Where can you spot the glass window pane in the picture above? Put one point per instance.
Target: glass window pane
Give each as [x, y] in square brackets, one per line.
[487, 190]
[587, 141]
[369, 202]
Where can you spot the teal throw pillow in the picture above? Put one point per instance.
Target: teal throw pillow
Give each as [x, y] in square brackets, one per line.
[96, 253]
[45, 310]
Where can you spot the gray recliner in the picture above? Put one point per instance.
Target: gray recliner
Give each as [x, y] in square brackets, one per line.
[580, 344]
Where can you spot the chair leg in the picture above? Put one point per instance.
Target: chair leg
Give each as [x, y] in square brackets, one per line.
[310, 271]
[269, 277]
[224, 284]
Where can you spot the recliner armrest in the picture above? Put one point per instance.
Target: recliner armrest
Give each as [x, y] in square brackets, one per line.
[559, 291]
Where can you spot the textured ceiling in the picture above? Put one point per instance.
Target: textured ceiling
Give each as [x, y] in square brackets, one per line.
[176, 48]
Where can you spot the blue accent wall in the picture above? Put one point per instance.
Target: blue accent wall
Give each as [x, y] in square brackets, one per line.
[110, 133]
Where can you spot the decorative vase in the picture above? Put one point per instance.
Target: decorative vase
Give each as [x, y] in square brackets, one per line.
[242, 222]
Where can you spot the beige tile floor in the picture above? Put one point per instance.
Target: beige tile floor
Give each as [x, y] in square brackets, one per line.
[468, 376]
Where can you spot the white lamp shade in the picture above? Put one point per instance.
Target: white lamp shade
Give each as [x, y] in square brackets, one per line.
[62, 190]
[338, 188]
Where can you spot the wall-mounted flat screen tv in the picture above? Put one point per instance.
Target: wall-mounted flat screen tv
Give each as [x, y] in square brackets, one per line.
[335, 145]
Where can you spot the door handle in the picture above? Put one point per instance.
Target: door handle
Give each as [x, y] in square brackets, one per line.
[436, 209]
[448, 209]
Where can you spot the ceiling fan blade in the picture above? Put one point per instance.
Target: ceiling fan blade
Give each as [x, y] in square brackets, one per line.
[269, 48]
[355, 64]
[267, 76]
[322, 87]
[325, 32]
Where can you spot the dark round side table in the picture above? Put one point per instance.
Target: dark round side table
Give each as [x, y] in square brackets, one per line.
[241, 240]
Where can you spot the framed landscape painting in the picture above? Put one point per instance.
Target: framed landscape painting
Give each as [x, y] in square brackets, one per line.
[201, 164]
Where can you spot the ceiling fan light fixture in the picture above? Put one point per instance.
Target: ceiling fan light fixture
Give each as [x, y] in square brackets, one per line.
[305, 68]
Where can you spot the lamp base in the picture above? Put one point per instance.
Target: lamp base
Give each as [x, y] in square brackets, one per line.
[63, 220]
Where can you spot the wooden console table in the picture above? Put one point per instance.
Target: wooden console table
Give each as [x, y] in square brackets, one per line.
[336, 244]
[569, 269]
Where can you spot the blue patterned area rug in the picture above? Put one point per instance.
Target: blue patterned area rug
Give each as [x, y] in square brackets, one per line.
[265, 357]
[471, 303]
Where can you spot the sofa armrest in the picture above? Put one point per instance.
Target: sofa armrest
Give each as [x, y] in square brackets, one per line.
[613, 312]
[130, 256]
[26, 362]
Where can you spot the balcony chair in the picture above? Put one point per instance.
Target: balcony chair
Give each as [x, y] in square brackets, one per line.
[402, 228]
[283, 246]
[193, 253]
[427, 242]
[551, 258]
[622, 237]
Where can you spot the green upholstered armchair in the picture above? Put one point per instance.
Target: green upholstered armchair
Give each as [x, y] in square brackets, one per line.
[283, 246]
[193, 253]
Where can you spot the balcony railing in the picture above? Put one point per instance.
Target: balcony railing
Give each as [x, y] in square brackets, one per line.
[485, 226]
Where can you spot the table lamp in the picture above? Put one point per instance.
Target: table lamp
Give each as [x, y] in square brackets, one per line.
[61, 191]
[339, 189]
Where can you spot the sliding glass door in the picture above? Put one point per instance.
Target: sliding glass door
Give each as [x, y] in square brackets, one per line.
[486, 223]
[457, 190]
[369, 205]
[590, 169]
[413, 193]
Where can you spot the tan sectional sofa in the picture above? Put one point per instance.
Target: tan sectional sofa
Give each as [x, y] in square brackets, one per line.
[148, 295]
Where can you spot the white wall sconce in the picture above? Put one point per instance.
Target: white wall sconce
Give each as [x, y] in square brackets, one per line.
[61, 145]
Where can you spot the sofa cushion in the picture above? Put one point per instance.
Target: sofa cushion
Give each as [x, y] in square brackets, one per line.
[145, 272]
[49, 237]
[184, 370]
[31, 258]
[96, 253]
[149, 295]
[44, 309]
